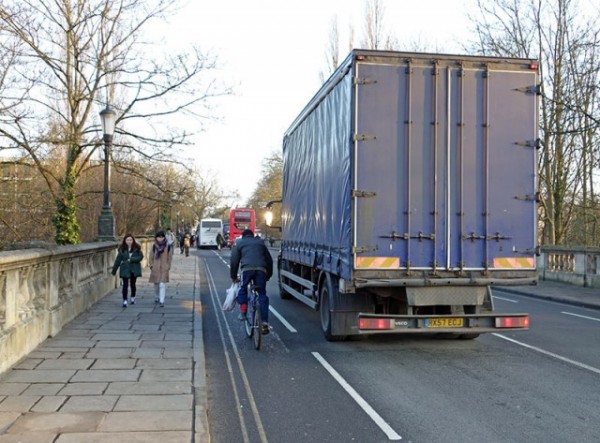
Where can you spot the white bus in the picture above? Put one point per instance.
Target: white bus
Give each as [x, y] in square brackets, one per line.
[206, 234]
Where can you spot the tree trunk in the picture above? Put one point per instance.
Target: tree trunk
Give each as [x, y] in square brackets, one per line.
[65, 220]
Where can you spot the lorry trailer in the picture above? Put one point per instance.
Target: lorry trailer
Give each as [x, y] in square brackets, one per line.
[410, 191]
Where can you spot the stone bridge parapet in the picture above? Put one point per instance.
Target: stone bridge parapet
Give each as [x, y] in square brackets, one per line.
[576, 266]
[41, 290]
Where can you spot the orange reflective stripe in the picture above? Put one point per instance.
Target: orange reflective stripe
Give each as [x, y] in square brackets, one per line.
[514, 262]
[377, 262]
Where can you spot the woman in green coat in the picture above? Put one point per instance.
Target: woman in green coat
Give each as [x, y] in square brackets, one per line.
[129, 260]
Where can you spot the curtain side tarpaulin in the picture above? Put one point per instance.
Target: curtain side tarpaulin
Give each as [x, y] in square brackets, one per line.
[317, 185]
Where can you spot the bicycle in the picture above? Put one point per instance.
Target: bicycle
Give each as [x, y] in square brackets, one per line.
[253, 317]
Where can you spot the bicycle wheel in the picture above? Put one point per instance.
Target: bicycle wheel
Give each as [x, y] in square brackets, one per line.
[249, 320]
[257, 324]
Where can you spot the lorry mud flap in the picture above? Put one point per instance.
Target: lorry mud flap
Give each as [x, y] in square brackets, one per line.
[345, 309]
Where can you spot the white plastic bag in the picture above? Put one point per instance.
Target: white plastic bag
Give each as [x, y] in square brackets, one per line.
[231, 296]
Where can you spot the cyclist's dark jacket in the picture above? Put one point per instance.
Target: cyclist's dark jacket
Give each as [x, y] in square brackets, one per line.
[250, 253]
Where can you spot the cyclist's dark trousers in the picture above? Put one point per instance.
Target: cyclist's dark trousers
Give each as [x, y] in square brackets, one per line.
[260, 280]
[126, 281]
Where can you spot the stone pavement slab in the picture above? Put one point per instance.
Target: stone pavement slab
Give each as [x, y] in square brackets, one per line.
[7, 418]
[29, 437]
[126, 437]
[49, 403]
[80, 403]
[65, 364]
[84, 389]
[39, 376]
[149, 388]
[164, 363]
[102, 375]
[43, 389]
[114, 363]
[154, 403]
[57, 422]
[147, 421]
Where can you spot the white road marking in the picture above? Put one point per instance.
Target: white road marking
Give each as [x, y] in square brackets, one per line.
[244, 376]
[551, 354]
[581, 316]
[221, 258]
[282, 320]
[392, 435]
[505, 299]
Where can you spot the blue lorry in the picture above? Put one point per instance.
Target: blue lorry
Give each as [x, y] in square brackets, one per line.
[409, 191]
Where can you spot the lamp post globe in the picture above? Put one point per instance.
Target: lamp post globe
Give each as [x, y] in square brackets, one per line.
[106, 221]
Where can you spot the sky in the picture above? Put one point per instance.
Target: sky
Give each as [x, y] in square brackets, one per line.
[272, 53]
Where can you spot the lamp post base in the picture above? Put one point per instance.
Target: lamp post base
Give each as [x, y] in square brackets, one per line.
[106, 226]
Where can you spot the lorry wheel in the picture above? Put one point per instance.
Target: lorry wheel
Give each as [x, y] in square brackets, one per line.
[325, 307]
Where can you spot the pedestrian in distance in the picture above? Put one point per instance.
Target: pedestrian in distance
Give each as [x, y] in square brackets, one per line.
[128, 261]
[160, 265]
[170, 240]
[220, 241]
[252, 257]
[180, 240]
[186, 244]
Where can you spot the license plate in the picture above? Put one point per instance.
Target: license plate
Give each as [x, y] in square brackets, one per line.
[444, 322]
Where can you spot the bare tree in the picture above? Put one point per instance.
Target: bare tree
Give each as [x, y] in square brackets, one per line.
[566, 43]
[72, 58]
[332, 51]
[375, 36]
[269, 188]
[208, 197]
[373, 33]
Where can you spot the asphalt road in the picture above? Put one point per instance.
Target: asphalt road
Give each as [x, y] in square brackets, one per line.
[541, 385]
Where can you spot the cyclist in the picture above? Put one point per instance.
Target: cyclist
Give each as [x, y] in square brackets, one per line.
[251, 256]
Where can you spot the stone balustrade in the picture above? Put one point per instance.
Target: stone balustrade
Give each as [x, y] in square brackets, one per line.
[577, 266]
[41, 290]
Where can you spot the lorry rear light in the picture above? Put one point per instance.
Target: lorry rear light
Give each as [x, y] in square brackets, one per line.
[512, 322]
[375, 323]
[533, 66]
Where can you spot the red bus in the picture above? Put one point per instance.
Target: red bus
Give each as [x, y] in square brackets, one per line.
[240, 219]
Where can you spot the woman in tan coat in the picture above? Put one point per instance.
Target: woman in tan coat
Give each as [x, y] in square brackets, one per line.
[160, 265]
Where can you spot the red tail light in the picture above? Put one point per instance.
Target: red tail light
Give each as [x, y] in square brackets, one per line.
[375, 323]
[512, 322]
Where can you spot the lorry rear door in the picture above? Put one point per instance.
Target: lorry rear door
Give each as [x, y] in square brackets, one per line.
[445, 165]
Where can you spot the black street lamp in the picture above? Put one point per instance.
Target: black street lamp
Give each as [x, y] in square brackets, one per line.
[106, 221]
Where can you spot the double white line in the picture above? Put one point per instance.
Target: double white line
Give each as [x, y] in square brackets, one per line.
[224, 326]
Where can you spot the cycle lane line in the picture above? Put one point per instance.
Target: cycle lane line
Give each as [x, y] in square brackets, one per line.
[223, 327]
[379, 421]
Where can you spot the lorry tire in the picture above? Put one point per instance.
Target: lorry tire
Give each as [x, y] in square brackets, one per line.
[326, 305]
